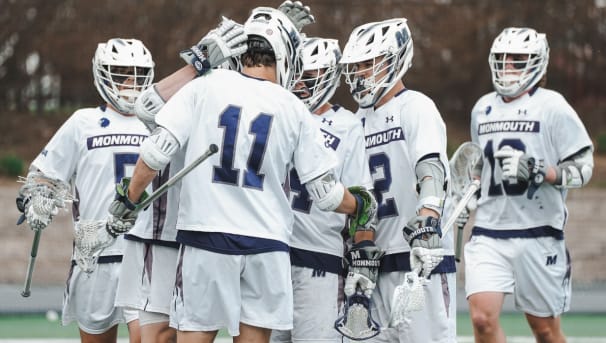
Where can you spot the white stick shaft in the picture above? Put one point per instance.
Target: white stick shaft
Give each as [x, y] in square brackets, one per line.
[471, 189]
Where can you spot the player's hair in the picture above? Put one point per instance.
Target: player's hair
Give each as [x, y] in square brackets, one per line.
[259, 53]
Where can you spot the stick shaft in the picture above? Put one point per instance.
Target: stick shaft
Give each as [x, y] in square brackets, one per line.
[176, 178]
[471, 189]
[30, 265]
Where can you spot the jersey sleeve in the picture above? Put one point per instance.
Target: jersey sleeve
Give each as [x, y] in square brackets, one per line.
[311, 157]
[567, 133]
[60, 156]
[178, 114]
[426, 131]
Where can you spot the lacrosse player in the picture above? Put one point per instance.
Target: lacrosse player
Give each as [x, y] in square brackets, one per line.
[316, 246]
[148, 272]
[94, 149]
[234, 219]
[535, 149]
[406, 149]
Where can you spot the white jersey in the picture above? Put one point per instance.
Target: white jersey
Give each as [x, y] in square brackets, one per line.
[163, 223]
[317, 230]
[260, 129]
[543, 125]
[93, 150]
[398, 134]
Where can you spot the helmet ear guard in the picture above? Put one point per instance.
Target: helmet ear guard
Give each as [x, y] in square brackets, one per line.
[122, 69]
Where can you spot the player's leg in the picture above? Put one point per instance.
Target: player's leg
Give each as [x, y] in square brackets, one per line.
[158, 333]
[546, 329]
[252, 334]
[132, 321]
[109, 336]
[543, 286]
[488, 277]
[196, 336]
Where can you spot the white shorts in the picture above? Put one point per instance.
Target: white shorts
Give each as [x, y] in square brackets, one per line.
[89, 299]
[147, 279]
[215, 291]
[535, 270]
[436, 323]
[316, 307]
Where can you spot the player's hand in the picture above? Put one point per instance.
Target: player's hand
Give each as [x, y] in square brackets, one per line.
[122, 211]
[423, 235]
[514, 164]
[365, 218]
[363, 260]
[41, 215]
[226, 41]
[297, 13]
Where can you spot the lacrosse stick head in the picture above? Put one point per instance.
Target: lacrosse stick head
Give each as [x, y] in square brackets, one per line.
[356, 323]
[461, 167]
[42, 197]
[90, 238]
[407, 297]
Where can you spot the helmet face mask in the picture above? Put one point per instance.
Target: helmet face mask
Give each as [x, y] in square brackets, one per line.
[518, 60]
[321, 72]
[377, 55]
[122, 69]
[270, 31]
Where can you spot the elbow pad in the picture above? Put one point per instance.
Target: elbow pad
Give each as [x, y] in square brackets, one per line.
[157, 150]
[326, 191]
[148, 104]
[431, 177]
[576, 171]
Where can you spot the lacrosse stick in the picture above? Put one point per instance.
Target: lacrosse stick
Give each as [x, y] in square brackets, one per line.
[410, 295]
[356, 323]
[91, 236]
[42, 197]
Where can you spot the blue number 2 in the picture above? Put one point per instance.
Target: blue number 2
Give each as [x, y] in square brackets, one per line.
[387, 207]
[259, 127]
[120, 163]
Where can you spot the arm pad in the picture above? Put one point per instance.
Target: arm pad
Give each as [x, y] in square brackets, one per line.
[575, 171]
[431, 177]
[157, 150]
[148, 104]
[326, 191]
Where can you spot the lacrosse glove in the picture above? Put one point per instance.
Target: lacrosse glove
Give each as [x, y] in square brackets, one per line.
[37, 205]
[423, 234]
[363, 260]
[518, 166]
[226, 41]
[365, 217]
[122, 211]
[22, 203]
[297, 13]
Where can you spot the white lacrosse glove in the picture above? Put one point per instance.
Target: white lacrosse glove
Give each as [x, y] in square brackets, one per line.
[40, 199]
[363, 260]
[297, 13]
[462, 219]
[423, 234]
[226, 41]
[514, 164]
[122, 211]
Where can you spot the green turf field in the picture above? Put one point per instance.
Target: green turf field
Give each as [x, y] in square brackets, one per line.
[575, 325]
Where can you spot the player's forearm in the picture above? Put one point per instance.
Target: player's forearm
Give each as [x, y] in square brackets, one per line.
[169, 85]
[348, 205]
[142, 176]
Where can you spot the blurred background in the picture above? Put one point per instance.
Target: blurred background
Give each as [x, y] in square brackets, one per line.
[46, 47]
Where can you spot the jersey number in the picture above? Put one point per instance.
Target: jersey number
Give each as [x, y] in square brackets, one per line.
[301, 201]
[496, 189]
[259, 127]
[120, 163]
[387, 207]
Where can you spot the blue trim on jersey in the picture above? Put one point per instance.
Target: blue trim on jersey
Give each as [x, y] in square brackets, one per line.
[168, 244]
[316, 260]
[535, 232]
[105, 259]
[400, 92]
[229, 244]
[401, 262]
[335, 107]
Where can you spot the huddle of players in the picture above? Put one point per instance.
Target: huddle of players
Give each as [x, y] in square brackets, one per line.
[314, 171]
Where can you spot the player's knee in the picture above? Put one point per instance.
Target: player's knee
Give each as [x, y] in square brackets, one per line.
[484, 323]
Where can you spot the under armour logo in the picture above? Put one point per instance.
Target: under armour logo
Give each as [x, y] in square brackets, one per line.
[318, 273]
[551, 260]
[388, 119]
[524, 112]
[324, 120]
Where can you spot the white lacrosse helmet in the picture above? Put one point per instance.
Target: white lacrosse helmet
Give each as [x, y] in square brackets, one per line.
[530, 53]
[388, 45]
[321, 72]
[122, 68]
[270, 30]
